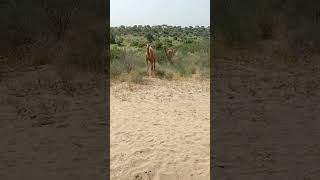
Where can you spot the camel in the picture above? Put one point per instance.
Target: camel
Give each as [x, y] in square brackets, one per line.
[150, 57]
[169, 53]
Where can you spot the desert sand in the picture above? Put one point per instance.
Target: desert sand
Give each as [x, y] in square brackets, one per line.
[265, 117]
[161, 130]
[51, 131]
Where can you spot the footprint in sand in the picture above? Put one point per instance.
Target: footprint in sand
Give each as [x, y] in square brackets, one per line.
[146, 175]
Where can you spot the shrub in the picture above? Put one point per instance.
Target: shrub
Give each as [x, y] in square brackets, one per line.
[137, 77]
[124, 62]
[161, 56]
[85, 53]
[119, 40]
[116, 69]
[112, 38]
[188, 40]
[117, 53]
[128, 63]
[165, 72]
[135, 43]
[149, 37]
[168, 42]
[158, 44]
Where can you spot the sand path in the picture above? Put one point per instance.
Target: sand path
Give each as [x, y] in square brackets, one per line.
[160, 130]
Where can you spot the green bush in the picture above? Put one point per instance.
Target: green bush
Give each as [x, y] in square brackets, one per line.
[165, 72]
[158, 44]
[112, 38]
[161, 56]
[196, 46]
[137, 77]
[135, 43]
[128, 62]
[259, 20]
[124, 61]
[117, 53]
[116, 69]
[168, 42]
[149, 37]
[119, 40]
[188, 41]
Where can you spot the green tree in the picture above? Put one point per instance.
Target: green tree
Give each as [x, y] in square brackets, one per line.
[158, 44]
[112, 37]
[149, 37]
[119, 40]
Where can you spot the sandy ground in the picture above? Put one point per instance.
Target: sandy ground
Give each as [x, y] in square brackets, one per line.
[48, 132]
[265, 118]
[160, 130]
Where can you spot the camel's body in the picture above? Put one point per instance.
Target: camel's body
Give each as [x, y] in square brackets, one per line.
[150, 58]
[169, 53]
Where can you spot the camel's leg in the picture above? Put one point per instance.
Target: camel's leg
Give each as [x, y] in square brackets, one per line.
[150, 69]
[147, 66]
[154, 68]
[152, 72]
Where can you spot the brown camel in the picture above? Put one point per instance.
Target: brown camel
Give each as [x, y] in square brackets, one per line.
[169, 53]
[150, 57]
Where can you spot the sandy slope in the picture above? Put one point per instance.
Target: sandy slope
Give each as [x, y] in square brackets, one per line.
[160, 130]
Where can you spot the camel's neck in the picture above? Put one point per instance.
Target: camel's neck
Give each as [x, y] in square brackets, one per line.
[148, 50]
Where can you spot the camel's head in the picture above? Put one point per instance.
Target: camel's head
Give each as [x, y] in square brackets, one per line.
[148, 48]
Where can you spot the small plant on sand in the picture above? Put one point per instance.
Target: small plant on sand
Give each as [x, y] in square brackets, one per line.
[137, 77]
[165, 74]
